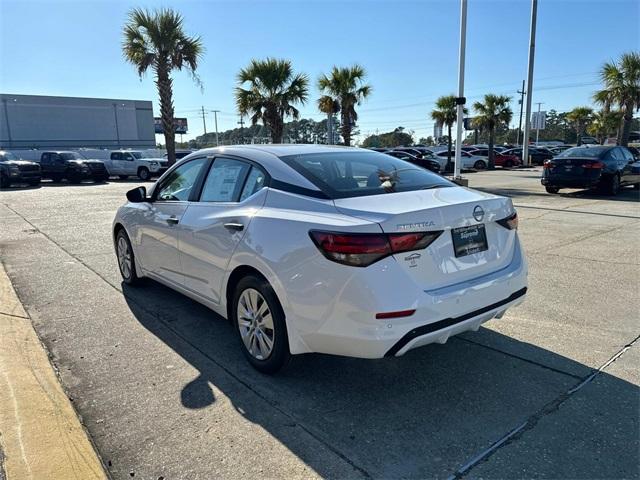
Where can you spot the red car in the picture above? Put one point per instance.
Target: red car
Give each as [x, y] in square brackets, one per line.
[501, 159]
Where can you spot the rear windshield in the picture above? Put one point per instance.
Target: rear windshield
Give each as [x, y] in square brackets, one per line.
[356, 174]
[592, 152]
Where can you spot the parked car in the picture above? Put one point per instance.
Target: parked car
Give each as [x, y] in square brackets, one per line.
[538, 156]
[604, 167]
[429, 162]
[559, 149]
[468, 160]
[415, 151]
[500, 159]
[14, 170]
[127, 163]
[379, 149]
[70, 165]
[308, 248]
[587, 140]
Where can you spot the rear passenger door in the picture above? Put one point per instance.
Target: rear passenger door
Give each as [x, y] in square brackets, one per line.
[212, 227]
[115, 164]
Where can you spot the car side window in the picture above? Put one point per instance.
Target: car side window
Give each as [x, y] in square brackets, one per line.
[116, 156]
[225, 180]
[254, 182]
[178, 185]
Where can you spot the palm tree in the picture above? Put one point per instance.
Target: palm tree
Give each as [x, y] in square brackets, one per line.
[622, 88]
[346, 86]
[330, 106]
[603, 123]
[580, 117]
[272, 91]
[493, 112]
[156, 40]
[446, 114]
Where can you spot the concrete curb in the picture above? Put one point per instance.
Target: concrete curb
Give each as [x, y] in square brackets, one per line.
[40, 433]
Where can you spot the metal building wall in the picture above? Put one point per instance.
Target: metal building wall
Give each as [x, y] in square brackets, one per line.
[34, 121]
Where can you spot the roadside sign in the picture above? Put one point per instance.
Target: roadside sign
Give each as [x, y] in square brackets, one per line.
[180, 125]
[538, 120]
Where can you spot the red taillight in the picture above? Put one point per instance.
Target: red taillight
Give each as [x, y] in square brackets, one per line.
[510, 223]
[593, 165]
[398, 314]
[363, 249]
[548, 164]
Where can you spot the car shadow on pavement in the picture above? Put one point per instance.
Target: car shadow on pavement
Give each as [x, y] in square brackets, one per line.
[418, 416]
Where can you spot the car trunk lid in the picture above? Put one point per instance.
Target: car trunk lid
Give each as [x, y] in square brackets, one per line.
[460, 213]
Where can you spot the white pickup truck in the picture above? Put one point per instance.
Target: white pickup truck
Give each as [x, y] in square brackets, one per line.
[126, 163]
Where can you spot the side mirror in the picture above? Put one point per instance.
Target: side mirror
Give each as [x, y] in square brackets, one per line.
[137, 195]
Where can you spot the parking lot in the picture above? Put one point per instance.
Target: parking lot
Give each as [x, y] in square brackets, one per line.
[550, 390]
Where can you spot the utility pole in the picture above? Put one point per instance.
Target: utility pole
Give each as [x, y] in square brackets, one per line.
[241, 123]
[532, 52]
[204, 123]
[460, 101]
[215, 116]
[538, 122]
[521, 92]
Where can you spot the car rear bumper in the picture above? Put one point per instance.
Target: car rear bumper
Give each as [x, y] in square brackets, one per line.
[439, 314]
[570, 182]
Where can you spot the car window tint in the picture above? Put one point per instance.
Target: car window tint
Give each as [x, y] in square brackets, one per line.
[255, 181]
[224, 181]
[180, 181]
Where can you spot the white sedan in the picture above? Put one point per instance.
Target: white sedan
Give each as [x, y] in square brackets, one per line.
[468, 160]
[308, 248]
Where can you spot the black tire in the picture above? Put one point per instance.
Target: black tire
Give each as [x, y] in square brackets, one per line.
[129, 275]
[123, 177]
[75, 178]
[552, 190]
[279, 355]
[56, 178]
[34, 183]
[143, 174]
[4, 182]
[636, 186]
[480, 165]
[102, 179]
[508, 164]
[612, 186]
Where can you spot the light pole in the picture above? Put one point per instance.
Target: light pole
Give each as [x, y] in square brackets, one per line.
[532, 52]
[215, 117]
[460, 101]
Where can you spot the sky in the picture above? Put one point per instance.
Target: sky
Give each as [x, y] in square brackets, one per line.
[409, 50]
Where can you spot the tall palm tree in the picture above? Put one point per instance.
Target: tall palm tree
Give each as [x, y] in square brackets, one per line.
[622, 88]
[330, 106]
[603, 123]
[580, 117]
[272, 91]
[493, 112]
[156, 40]
[346, 86]
[446, 114]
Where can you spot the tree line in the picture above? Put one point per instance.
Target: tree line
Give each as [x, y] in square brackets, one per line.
[269, 91]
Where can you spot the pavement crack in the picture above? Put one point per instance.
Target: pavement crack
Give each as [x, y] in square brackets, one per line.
[531, 422]
[532, 362]
[562, 210]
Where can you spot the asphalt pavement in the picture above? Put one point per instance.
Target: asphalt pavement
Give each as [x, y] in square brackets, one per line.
[548, 391]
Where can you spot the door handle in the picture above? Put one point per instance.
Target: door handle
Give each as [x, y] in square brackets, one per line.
[172, 220]
[238, 227]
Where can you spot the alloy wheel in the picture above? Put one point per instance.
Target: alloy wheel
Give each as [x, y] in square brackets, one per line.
[124, 257]
[255, 324]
